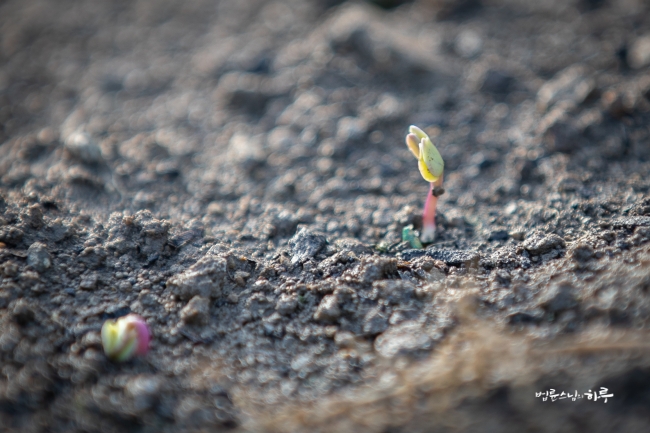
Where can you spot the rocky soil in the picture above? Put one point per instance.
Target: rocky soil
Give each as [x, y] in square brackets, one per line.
[235, 172]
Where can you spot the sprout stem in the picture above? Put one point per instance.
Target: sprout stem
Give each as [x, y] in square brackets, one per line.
[429, 214]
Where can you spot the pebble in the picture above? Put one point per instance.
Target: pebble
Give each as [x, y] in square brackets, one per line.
[455, 258]
[305, 245]
[558, 298]
[631, 222]
[88, 282]
[38, 257]
[468, 44]
[205, 278]
[407, 338]
[638, 55]
[328, 310]
[582, 253]
[539, 243]
[287, 304]
[197, 311]
[83, 147]
[144, 390]
[375, 322]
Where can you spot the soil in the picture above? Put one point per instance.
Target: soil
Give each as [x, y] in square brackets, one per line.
[235, 172]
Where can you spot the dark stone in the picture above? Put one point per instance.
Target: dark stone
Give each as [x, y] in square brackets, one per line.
[455, 258]
[498, 235]
[497, 82]
[409, 255]
[582, 253]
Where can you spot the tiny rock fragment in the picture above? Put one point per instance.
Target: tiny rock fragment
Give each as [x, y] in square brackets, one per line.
[305, 245]
[38, 257]
[81, 146]
[197, 311]
[407, 338]
[638, 55]
[205, 278]
[455, 258]
[539, 243]
[328, 310]
[287, 304]
[88, 282]
[375, 322]
[582, 252]
[558, 298]
[631, 222]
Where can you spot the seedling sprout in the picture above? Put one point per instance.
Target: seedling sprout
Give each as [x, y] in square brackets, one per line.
[431, 168]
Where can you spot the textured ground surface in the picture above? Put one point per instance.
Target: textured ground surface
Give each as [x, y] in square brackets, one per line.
[235, 172]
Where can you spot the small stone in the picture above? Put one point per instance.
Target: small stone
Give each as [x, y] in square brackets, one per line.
[205, 278]
[88, 282]
[582, 253]
[375, 323]
[455, 258]
[468, 44]
[144, 390]
[631, 222]
[197, 311]
[305, 245]
[81, 146]
[23, 312]
[539, 243]
[38, 257]
[34, 216]
[498, 235]
[525, 316]
[638, 56]
[558, 298]
[259, 305]
[328, 310]
[517, 234]
[407, 338]
[353, 245]
[215, 208]
[287, 304]
[11, 235]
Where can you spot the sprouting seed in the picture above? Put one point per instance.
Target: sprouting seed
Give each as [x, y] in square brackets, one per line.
[125, 337]
[431, 168]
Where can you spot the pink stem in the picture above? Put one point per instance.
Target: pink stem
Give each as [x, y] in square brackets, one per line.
[429, 215]
[428, 234]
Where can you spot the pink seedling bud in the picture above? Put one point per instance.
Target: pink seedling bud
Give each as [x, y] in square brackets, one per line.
[125, 337]
[431, 168]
